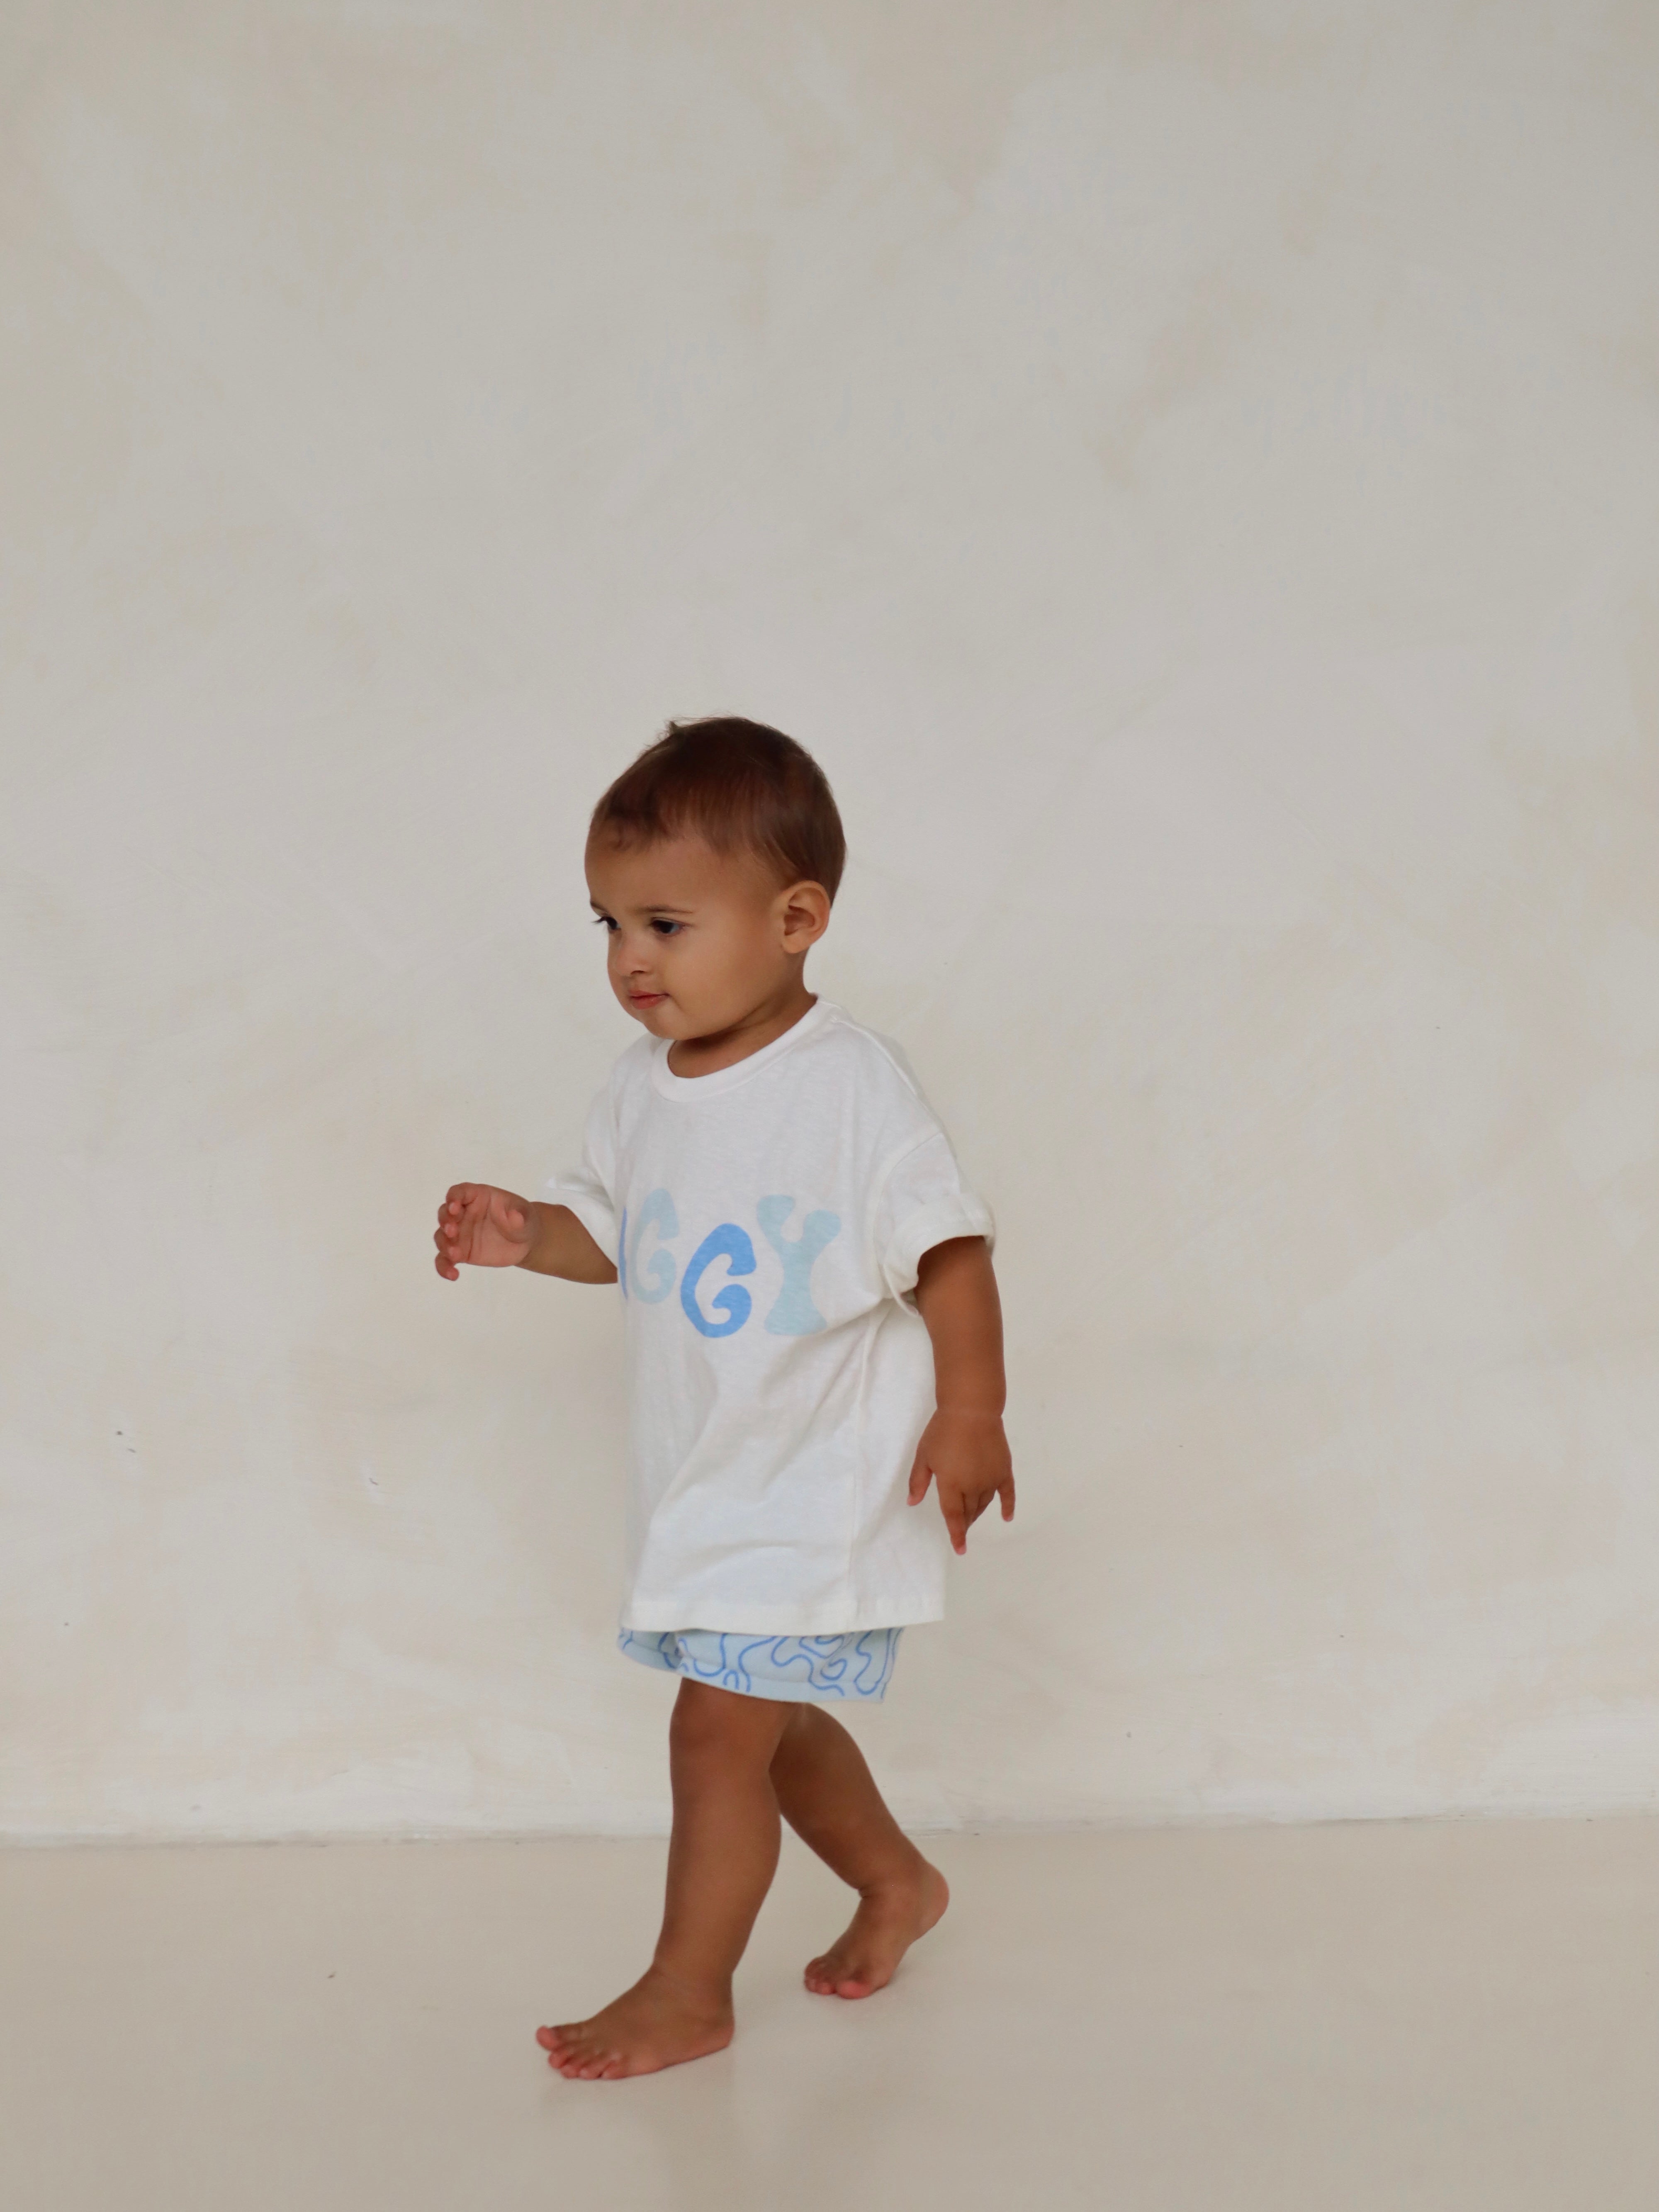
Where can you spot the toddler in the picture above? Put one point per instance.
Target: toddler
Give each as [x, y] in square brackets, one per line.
[813, 1337]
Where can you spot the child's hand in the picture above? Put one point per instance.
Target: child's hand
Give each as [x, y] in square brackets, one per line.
[479, 1226]
[967, 1455]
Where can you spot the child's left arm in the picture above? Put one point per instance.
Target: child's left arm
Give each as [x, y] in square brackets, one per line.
[963, 1447]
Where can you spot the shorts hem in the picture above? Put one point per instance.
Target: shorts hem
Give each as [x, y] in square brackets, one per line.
[645, 1647]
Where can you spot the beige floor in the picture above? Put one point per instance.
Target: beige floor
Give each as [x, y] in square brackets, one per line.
[1464, 2016]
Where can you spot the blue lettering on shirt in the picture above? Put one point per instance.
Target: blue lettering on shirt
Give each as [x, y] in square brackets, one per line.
[648, 1275]
[657, 1212]
[731, 1243]
[794, 1313]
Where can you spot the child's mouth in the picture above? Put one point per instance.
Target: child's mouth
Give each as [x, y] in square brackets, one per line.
[647, 998]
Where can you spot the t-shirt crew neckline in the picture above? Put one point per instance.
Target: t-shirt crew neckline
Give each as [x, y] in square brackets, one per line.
[728, 1079]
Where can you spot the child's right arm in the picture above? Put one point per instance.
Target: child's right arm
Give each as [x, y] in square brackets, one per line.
[479, 1226]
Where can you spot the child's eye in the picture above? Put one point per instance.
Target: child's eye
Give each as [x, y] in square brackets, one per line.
[667, 928]
[604, 921]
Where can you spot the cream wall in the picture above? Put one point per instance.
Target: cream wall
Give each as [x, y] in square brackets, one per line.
[1191, 473]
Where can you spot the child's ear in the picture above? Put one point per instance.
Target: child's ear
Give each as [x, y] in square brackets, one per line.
[804, 912]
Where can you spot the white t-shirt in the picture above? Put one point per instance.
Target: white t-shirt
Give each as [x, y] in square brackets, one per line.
[767, 1222]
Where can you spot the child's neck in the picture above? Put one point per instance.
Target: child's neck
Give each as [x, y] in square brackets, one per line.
[771, 1019]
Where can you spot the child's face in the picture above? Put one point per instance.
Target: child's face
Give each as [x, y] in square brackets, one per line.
[700, 941]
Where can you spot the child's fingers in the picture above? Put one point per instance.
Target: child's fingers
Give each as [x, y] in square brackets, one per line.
[457, 1217]
[955, 1521]
[1005, 1492]
[921, 1475]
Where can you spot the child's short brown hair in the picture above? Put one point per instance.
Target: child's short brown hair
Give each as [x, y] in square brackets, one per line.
[740, 787]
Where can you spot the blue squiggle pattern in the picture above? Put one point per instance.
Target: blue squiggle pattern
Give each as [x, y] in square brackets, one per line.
[852, 1668]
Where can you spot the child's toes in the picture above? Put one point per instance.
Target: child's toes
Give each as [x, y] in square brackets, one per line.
[568, 2050]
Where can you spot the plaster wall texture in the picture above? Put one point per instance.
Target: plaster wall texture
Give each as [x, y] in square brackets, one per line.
[1190, 472]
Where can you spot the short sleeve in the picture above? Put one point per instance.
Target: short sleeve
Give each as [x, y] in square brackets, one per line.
[590, 1190]
[924, 1201]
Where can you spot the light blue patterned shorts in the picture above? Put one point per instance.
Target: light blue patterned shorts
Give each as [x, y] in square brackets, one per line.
[807, 1670]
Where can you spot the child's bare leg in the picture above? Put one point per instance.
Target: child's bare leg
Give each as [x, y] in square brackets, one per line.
[829, 1798]
[721, 1857]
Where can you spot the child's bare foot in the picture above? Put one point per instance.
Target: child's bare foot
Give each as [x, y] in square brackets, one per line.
[653, 2025]
[887, 1923]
